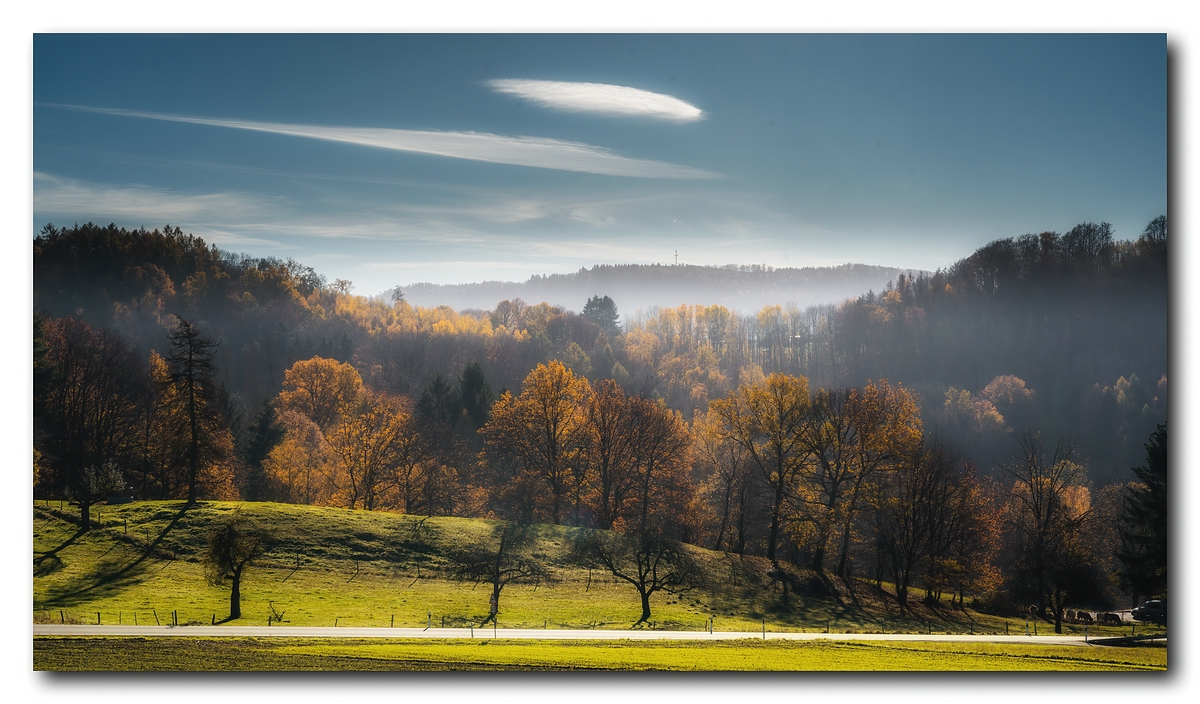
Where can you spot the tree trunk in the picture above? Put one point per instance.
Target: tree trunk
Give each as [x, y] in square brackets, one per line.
[845, 551]
[235, 597]
[85, 515]
[645, 608]
[818, 558]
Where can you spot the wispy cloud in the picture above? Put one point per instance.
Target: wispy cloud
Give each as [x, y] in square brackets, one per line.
[55, 197]
[601, 98]
[536, 152]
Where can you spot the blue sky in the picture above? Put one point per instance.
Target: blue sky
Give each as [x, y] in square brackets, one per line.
[393, 159]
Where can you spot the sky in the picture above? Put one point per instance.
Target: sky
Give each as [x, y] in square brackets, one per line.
[394, 159]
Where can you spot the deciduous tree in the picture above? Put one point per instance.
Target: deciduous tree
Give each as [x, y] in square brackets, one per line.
[507, 558]
[541, 430]
[767, 419]
[232, 547]
[320, 388]
[646, 559]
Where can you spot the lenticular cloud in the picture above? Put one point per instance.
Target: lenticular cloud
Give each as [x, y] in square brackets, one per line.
[599, 98]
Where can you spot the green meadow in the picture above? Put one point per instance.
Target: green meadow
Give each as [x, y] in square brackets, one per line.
[332, 566]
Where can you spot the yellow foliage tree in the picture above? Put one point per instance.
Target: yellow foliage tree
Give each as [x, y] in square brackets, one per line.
[541, 431]
[319, 388]
[767, 420]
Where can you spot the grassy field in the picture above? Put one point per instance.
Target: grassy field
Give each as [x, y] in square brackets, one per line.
[233, 654]
[359, 568]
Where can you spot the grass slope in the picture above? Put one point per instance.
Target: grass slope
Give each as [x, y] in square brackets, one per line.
[235, 654]
[360, 568]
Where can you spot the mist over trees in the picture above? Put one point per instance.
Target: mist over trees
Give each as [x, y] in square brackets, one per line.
[646, 286]
[903, 434]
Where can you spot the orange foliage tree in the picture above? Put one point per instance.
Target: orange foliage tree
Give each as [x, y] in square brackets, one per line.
[542, 432]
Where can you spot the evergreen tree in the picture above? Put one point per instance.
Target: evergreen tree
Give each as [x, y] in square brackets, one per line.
[439, 401]
[264, 435]
[475, 394]
[1143, 524]
[602, 311]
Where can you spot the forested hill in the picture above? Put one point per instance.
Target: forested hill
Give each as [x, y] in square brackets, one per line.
[642, 286]
[1059, 333]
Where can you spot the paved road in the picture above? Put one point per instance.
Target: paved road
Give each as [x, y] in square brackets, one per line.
[520, 633]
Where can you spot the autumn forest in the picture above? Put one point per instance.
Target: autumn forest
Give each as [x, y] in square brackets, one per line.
[992, 430]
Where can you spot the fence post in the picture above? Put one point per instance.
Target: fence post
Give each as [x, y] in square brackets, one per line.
[1085, 634]
[135, 618]
[429, 620]
[61, 616]
[156, 621]
[393, 620]
[472, 630]
[214, 619]
[764, 627]
[97, 618]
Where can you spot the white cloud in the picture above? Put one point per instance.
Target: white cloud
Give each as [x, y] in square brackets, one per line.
[601, 98]
[537, 152]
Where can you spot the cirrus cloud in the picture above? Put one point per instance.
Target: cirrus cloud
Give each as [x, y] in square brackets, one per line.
[602, 98]
[538, 152]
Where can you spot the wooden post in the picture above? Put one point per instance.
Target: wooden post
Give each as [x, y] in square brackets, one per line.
[61, 616]
[764, 627]
[135, 618]
[156, 622]
[97, 618]
[393, 620]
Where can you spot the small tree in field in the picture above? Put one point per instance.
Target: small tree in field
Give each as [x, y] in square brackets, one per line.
[645, 559]
[510, 560]
[232, 546]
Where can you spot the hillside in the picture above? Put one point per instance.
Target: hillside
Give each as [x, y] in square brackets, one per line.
[640, 287]
[334, 566]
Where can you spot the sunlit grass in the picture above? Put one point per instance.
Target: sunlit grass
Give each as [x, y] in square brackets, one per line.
[227, 654]
[361, 568]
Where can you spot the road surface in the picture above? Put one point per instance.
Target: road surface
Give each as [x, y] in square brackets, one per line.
[41, 629]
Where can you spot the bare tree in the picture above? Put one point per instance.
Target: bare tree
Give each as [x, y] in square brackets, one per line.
[646, 559]
[509, 560]
[232, 546]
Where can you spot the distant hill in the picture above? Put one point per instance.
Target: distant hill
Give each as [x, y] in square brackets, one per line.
[642, 286]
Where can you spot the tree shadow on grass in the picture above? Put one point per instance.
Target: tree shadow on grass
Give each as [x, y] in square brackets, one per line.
[110, 575]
